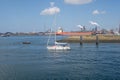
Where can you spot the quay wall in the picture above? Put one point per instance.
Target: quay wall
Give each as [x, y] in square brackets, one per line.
[92, 39]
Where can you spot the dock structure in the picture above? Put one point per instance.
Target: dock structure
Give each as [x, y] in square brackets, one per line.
[92, 39]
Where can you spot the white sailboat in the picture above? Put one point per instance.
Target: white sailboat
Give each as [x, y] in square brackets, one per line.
[57, 45]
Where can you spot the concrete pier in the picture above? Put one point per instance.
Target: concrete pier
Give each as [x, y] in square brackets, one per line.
[92, 39]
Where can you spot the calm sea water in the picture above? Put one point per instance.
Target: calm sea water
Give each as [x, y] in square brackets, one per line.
[34, 62]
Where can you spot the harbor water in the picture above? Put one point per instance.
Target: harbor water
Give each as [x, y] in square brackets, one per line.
[34, 62]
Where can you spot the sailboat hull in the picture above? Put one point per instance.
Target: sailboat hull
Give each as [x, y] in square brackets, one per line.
[58, 47]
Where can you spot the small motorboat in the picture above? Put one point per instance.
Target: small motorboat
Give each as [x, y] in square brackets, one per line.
[26, 42]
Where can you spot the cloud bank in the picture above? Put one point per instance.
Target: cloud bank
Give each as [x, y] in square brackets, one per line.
[77, 2]
[96, 12]
[51, 10]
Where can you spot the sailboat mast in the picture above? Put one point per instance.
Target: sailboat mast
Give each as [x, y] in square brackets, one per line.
[55, 26]
[49, 36]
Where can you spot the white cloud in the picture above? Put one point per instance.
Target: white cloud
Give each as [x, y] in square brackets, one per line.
[95, 12]
[51, 10]
[94, 23]
[78, 1]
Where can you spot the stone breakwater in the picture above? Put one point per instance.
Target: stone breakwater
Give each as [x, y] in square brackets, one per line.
[92, 39]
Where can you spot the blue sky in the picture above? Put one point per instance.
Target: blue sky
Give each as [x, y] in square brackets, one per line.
[38, 15]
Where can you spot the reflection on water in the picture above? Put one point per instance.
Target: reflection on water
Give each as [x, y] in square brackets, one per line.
[35, 62]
